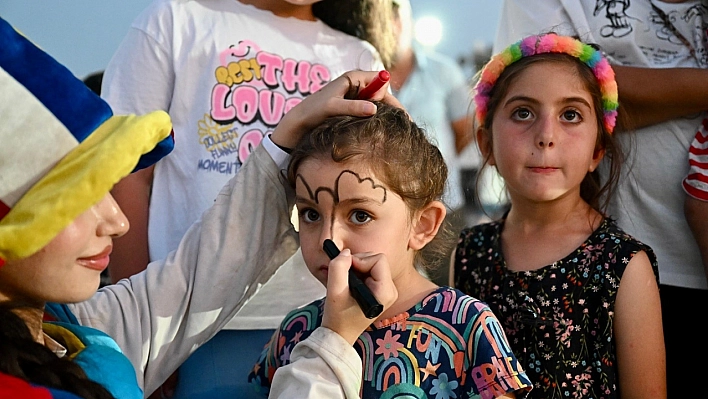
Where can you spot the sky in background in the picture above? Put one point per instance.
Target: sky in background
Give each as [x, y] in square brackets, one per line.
[83, 34]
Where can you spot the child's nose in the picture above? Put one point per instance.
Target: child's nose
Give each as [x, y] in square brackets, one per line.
[545, 137]
[334, 232]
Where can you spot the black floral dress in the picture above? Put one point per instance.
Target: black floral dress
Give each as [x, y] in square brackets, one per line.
[558, 319]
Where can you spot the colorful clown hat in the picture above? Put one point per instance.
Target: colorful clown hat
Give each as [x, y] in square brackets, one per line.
[61, 147]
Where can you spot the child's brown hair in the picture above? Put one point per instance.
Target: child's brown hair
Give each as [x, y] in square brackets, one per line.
[397, 151]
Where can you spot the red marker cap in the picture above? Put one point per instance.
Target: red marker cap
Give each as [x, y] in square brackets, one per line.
[378, 82]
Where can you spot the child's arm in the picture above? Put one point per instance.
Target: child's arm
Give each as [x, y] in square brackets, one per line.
[641, 358]
[654, 95]
[695, 205]
[696, 212]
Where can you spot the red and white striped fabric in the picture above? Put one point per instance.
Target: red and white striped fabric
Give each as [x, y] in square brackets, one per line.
[696, 182]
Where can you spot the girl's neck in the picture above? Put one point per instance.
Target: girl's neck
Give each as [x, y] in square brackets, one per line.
[412, 288]
[535, 236]
[282, 8]
[532, 216]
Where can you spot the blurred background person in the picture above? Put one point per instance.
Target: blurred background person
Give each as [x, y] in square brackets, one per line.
[436, 93]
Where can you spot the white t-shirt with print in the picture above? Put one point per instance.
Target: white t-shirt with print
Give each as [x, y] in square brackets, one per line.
[226, 73]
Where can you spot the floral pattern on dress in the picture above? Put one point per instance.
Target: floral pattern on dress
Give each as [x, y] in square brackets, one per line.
[558, 318]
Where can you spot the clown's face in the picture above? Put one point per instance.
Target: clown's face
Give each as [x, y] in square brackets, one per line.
[68, 269]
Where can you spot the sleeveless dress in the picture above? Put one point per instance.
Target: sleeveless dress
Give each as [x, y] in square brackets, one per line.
[558, 319]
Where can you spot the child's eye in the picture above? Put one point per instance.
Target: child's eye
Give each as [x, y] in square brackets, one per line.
[360, 217]
[522, 114]
[572, 115]
[309, 215]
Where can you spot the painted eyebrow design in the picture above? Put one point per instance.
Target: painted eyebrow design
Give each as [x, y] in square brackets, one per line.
[314, 195]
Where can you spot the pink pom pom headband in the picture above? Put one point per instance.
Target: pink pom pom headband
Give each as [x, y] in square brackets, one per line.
[543, 44]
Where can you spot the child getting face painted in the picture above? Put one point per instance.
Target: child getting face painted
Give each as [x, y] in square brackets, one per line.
[373, 186]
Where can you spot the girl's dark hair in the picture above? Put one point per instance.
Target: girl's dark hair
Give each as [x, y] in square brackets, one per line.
[592, 190]
[23, 357]
[398, 152]
[370, 20]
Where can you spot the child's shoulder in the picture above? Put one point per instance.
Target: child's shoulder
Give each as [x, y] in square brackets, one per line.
[453, 304]
[481, 234]
[621, 241]
[609, 230]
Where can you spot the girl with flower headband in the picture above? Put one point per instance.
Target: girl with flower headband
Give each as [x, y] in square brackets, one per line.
[569, 286]
[61, 152]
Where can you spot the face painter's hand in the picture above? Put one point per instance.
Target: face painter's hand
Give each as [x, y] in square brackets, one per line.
[342, 314]
[330, 101]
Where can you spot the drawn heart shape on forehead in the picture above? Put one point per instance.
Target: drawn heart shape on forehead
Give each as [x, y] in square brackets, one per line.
[345, 177]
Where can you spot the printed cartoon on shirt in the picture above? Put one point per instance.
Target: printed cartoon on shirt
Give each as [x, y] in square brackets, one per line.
[253, 90]
[617, 17]
[679, 26]
[685, 27]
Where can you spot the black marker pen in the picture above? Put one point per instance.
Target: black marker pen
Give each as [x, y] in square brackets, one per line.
[366, 300]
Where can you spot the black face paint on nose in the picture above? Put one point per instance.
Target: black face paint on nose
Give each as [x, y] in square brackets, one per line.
[364, 298]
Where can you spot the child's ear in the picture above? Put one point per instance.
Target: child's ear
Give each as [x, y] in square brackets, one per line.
[426, 225]
[485, 145]
[596, 158]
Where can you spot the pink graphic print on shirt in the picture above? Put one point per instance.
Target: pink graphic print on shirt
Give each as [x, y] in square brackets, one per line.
[253, 91]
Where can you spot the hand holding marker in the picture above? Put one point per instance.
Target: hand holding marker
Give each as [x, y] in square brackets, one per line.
[361, 293]
[366, 300]
[374, 86]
